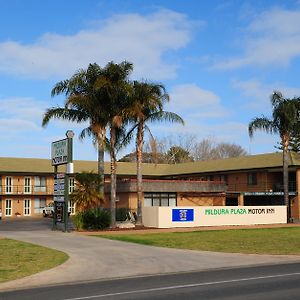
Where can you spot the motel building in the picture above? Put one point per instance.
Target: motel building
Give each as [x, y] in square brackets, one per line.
[242, 190]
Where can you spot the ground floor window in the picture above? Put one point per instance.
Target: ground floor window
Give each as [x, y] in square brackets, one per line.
[27, 207]
[8, 207]
[71, 206]
[160, 199]
[263, 200]
[231, 202]
[39, 204]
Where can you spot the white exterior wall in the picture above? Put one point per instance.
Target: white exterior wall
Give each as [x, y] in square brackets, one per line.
[168, 217]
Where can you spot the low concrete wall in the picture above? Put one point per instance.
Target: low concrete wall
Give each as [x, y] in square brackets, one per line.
[167, 217]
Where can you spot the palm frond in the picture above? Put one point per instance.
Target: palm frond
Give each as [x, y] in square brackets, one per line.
[262, 123]
[85, 132]
[166, 116]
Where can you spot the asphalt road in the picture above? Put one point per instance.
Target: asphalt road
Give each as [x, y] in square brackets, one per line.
[264, 282]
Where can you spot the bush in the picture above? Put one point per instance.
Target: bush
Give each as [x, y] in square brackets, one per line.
[94, 219]
[121, 214]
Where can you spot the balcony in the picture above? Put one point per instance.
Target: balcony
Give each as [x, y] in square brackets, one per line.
[26, 190]
[166, 186]
[261, 187]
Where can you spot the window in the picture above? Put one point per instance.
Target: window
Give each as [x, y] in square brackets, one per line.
[71, 206]
[223, 178]
[8, 207]
[27, 207]
[27, 185]
[71, 185]
[8, 185]
[160, 199]
[39, 184]
[252, 178]
[0, 184]
[39, 204]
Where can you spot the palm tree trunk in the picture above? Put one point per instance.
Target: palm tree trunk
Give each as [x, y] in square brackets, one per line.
[113, 176]
[101, 138]
[139, 153]
[285, 142]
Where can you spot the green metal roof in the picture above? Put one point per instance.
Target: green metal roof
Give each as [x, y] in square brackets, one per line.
[261, 161]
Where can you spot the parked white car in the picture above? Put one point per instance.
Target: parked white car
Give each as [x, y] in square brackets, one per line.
[48, 210]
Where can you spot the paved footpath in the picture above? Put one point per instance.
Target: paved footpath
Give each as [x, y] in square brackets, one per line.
[93, 258]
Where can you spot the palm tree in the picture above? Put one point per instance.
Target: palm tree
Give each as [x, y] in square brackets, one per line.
[97, 95]
[116, 88]
[86, 194]
[147, 103]
[284, 121]
[84, 102]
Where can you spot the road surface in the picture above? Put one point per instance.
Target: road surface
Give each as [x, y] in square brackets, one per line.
[277, 282]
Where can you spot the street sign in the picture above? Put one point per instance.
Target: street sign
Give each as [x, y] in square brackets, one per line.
[59, 152]
[62, 153]
[59, 212]
[59, 187]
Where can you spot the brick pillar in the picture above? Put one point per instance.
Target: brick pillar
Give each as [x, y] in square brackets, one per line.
[241, 199]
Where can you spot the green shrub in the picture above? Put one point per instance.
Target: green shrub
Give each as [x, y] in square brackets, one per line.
[121, 214]
[94, 219]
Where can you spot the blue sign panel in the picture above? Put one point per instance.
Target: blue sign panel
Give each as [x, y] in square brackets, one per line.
[182, 215]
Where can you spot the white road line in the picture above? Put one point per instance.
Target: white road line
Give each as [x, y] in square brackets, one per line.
[183, 286]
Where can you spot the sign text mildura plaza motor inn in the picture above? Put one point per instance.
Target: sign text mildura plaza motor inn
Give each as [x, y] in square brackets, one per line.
[167, 217]
[59, 152]
[238, 211]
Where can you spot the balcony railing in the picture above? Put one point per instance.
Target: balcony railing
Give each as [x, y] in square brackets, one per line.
[260, 187]
[166, 186]
[26, 190]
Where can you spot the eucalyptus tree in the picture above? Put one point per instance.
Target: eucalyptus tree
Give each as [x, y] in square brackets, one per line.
[147, 102]
[84, 102]
[284, 121]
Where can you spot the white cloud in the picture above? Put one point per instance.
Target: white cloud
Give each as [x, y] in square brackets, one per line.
[203, 113]
[142, 40]
[21, 114]
[195, 102]
[23, 107]
[8, 126]
[259, 93]
[271, 39]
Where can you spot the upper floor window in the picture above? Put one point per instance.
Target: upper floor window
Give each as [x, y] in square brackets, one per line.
[71, 185]
[40, 184]
[223, 178]
[252, 178]
[8, 185]
[27, 185]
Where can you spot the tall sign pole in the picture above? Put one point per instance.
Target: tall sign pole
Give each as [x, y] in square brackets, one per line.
[62, 153]
[69, 171]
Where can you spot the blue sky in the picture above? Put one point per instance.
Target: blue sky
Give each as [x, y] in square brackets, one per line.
[219, 60]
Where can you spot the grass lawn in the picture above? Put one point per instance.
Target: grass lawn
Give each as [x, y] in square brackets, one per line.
[19, 259]
[260, 241]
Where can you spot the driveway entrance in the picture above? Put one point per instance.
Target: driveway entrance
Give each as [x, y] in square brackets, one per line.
[93, 258]
[25, 224]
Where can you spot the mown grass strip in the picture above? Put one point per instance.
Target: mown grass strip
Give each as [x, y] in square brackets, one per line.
[20, 259]
[257, 241]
